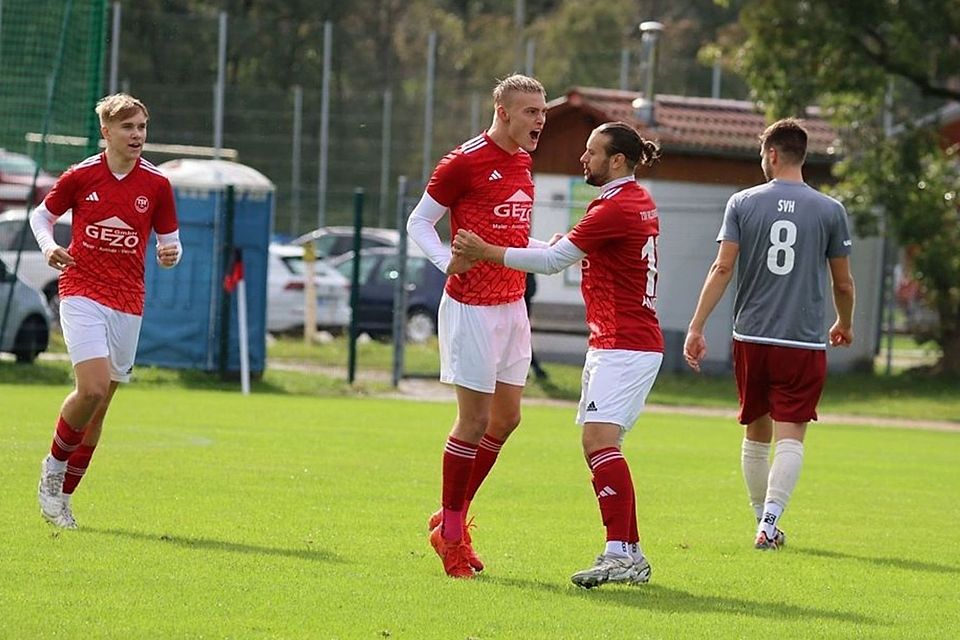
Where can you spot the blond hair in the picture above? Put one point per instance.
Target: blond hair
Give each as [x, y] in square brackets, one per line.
[119, 106]
[516, 83]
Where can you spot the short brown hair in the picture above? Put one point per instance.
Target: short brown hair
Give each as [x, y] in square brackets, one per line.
[516, 83]
[119, 106]
[788, 137]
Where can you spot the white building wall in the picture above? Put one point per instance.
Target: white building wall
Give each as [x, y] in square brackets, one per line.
[690, 217]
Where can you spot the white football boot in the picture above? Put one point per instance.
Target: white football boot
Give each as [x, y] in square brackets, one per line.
[778, 541]
[50, 491]
[612, 568]
[66, 520]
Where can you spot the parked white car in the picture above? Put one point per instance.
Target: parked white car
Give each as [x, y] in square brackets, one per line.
[285, 296]
[33, 269]
[27, 332]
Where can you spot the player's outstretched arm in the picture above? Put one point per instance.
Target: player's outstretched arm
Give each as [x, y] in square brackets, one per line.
[553, 259]
[470, 246]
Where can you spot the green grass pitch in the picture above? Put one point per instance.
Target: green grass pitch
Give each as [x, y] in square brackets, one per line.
[209, 515]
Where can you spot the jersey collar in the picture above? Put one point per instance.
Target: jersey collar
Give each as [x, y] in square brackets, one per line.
[616, 183]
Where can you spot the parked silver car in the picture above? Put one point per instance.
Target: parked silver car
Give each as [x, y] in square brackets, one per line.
[34, 270]
[330, 242]
[27, 332]
[285, 297]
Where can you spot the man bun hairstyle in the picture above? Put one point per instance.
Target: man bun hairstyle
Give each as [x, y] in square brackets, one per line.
[623, 138]
[788, 137]
[119, 106]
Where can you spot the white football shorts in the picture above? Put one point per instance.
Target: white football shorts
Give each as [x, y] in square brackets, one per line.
[615, 385]
[481, 345]
[92, 330]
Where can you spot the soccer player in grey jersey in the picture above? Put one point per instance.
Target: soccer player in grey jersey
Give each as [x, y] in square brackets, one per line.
[783, 236]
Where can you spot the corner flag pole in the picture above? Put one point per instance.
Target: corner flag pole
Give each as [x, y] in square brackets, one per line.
[234, 280]
[243, 333]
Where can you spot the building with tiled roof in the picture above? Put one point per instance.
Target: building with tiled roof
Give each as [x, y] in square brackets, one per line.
[702, 139]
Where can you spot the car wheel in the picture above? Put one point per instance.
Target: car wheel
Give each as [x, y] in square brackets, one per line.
[31, 340]
[420, 326]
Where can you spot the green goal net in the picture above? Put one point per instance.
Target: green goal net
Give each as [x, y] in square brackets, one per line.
[51, 68]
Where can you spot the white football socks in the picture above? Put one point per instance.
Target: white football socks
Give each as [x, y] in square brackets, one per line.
[618, 548]
[55, 465]
[755, 462]
[784, 473]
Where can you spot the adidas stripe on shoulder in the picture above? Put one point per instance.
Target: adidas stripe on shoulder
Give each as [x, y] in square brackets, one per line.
[149, 166]
[473, 144]
[88, 162]
[611, 193]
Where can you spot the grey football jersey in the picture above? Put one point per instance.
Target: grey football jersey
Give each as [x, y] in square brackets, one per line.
[786, 231]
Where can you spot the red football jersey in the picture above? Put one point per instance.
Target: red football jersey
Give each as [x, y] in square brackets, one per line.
[619, 234]
[112, 220]
[489, 192]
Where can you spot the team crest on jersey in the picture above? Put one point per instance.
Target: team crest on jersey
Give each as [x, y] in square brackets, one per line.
[141, 204]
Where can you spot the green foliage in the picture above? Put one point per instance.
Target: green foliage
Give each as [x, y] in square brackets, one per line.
[205, 514]
[575, 44]
[918, 184]
[798, 52]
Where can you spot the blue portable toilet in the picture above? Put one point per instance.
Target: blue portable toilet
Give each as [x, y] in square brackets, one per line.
[184, 307]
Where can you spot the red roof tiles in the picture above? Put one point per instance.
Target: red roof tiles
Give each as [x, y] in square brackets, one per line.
[705, 125]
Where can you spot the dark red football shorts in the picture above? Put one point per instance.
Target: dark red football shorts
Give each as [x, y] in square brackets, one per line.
[785, 382]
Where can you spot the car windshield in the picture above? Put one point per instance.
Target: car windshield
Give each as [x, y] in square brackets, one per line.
[367, 263]
[17, 165]
[389, 269]
[296, 266]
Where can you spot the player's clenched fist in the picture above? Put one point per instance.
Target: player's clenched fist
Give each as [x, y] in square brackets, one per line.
[59, 259]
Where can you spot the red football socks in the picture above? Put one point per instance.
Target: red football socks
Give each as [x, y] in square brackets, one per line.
[65, 440]
[487, 452]
[458, 460]
[76, 466]
[614, 488]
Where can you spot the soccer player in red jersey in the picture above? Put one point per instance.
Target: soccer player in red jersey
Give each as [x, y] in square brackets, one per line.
[484, 331]
[616, 242]
[117, 199]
